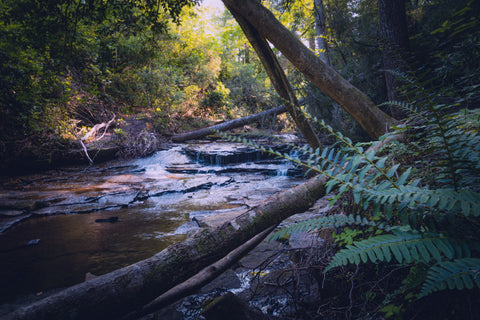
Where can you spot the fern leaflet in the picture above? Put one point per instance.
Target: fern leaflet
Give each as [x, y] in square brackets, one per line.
[332, 221]
[405, 247]
[457, 274]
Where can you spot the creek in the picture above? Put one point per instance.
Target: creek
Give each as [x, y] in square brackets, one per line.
[50, 235]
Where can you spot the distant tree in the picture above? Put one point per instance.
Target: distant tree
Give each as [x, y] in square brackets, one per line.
[395, 45]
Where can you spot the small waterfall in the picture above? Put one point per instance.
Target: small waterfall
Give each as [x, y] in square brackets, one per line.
[287, 165]
[218, 160]
[282, 171]
[155, 165]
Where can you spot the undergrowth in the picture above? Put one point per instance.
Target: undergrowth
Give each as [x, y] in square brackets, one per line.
[424, 215]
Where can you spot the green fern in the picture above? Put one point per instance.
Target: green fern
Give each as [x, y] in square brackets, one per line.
[457, 274]
[464, 202]
[405, 247]
[402, 205]
[454, 146]
[331, 221]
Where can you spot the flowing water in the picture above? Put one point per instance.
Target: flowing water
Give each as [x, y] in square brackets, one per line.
[57, 238]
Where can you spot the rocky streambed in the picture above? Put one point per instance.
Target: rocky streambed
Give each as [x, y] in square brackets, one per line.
[58, 226]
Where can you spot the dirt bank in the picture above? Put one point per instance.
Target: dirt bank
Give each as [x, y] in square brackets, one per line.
[130, 136]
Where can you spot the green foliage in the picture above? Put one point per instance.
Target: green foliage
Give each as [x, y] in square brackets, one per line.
[445, 36]
[403, 246]
[457, 274]
[241, 71]
[327, 222]
[44, 42]
[217, 99]
[409, 222]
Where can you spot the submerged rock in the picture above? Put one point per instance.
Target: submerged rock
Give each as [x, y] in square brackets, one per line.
[110, 219]
[8, 223]
[33, 242]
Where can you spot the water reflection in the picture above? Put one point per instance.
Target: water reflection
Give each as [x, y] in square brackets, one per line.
[153, 199]
[72, 245]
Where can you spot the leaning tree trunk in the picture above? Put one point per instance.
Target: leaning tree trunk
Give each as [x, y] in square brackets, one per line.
[122, 291]
[355, 102]
[277, 76]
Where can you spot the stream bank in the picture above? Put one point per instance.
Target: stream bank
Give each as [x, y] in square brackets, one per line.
[51, 234]
[133, 137]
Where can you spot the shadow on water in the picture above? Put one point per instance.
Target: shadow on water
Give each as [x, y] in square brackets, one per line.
[154, 198]
[72, 245]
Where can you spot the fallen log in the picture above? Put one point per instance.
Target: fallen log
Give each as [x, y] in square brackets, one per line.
[200, 279]
[236, 123]
[120, 292]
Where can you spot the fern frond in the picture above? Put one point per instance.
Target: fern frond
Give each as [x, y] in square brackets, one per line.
[454, 146]
[457, 274]
[370, 159]
[410, 108]
[465, 202]
[405, 247]
[331, 221]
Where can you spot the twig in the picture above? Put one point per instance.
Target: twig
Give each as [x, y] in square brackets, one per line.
[85, 151]
[93, 132]
[349, 310]
[106, 127]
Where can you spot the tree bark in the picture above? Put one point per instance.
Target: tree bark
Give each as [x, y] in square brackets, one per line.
[277, 76]
[320, 28]
[394, 34]
[236, 123]
[355, 102]
[122, 291]
[322, 50]
[196, 282]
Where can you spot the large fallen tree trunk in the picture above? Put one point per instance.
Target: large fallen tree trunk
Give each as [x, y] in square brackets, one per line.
[236, 123]
[200, 279]
[122, 291]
